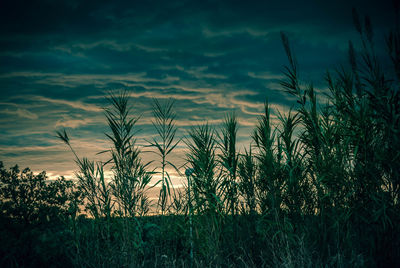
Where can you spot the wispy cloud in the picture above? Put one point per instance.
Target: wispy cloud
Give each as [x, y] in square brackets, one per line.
[23, 113]
[72, 104]
[73, 123]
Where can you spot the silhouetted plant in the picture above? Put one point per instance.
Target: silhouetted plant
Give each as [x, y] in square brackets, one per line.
[207, 189]
[229, 161]
[130, 180]
[295, 188]
[347, 144]
[202, 159]
[247, 170]
[164, 124]
[269, 182]
[31, 198]
[91, 183]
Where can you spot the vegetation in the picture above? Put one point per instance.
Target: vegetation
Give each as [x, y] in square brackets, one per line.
[320, 189]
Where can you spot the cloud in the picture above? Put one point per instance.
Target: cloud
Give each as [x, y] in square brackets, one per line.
[23, 113]
[73, 123]
[72, 104]
[59, 60]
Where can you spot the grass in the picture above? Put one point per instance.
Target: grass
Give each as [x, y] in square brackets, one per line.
[320, 189]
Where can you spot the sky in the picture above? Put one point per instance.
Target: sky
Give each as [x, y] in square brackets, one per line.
[58, 60]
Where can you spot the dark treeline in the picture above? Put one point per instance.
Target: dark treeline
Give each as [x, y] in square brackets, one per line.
[319, 189]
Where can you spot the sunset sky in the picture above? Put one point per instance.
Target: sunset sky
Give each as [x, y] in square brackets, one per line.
[58, 59]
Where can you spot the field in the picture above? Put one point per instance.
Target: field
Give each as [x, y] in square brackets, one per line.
[319, 189]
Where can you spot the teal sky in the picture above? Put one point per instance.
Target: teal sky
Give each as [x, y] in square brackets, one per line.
[59, 58]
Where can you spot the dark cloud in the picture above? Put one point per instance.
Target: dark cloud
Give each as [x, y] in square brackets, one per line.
[58, 59]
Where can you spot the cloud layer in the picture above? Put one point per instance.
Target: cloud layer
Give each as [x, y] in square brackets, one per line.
[58, 59]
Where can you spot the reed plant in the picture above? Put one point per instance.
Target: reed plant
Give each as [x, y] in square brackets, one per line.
[164, 117]
[228, 160]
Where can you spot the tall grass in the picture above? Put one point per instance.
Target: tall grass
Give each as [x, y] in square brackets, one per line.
[268, 181]
[229, 162]
[164, 124]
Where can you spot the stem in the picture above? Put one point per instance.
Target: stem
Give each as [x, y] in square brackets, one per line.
[190, 224]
